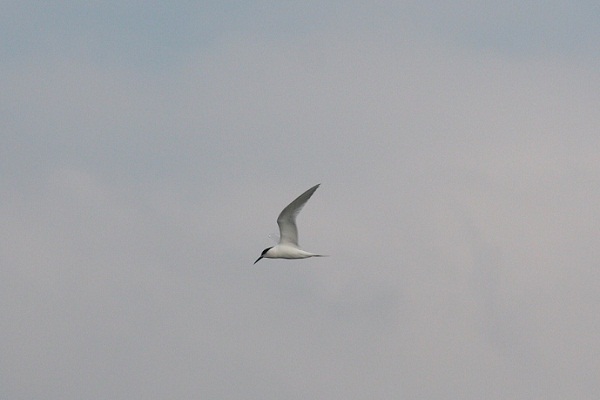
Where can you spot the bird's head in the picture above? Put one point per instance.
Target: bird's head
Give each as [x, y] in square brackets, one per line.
[262, 255]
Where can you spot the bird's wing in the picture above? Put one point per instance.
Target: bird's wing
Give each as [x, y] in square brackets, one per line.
[287, 218]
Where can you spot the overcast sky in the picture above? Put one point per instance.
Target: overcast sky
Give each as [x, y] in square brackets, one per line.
[147, 148]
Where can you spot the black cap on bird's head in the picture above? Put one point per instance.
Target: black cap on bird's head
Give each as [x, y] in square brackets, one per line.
[262, 254]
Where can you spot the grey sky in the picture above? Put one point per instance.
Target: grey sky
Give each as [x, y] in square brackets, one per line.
[147, 150]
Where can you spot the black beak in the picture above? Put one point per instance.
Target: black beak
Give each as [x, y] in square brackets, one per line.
[258, 259]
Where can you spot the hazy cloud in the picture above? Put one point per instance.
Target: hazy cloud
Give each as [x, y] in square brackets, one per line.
[147, 152]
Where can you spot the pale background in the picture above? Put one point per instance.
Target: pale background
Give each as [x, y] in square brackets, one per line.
[147, 148]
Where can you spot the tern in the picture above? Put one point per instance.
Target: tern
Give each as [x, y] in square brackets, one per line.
[288, 232]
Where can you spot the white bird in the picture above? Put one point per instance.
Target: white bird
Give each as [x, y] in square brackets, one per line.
[288, 232]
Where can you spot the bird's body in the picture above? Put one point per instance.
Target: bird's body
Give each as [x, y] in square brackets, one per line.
[287, 251]
[288, 242]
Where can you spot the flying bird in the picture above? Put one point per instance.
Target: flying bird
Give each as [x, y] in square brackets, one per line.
[288, 232]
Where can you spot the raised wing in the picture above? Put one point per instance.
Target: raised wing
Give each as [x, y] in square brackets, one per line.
[287, 218]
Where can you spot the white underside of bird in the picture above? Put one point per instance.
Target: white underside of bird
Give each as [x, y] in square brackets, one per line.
[288, 243]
